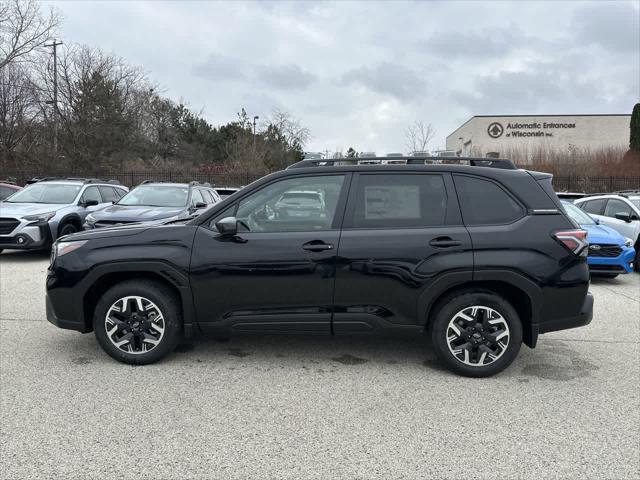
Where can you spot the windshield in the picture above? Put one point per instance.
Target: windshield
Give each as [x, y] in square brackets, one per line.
[46, 193]
[156, 196]
[577, 215]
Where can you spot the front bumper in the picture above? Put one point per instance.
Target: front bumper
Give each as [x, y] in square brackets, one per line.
[583, 318]
[623, 263]
[27, 237]
[68, 324]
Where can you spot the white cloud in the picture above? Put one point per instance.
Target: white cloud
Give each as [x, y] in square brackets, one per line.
[357, 73]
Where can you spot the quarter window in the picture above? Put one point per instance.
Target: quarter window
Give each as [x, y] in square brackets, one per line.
[485, 203]
[297, 204]
[416, 200]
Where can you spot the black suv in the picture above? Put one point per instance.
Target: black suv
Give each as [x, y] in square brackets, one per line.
[480, 257]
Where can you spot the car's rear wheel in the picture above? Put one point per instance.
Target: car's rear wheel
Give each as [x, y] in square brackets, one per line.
[67, 229]
[138, 322]
[636, 260]
[476, 334]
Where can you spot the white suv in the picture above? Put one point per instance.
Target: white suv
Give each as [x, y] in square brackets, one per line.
[620, 211]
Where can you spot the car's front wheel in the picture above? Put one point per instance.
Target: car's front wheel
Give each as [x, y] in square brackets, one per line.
[476, 334]
[138, 322]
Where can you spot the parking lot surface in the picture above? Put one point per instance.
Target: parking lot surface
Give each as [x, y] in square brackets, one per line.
[309, 407]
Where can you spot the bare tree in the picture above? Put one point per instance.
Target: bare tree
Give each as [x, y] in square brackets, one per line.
[290, 127]
[418, 135]
[23, 29]
[18, 107]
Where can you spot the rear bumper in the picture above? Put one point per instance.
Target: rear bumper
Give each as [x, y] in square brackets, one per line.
[583, 318]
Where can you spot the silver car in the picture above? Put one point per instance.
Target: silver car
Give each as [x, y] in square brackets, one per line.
[34, 217]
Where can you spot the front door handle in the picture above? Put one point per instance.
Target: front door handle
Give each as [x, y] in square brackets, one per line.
[444, 242]
[317, 246]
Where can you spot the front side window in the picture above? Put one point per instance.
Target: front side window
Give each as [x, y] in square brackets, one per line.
[47, 193]
[485, 203]
[617, 206]
[156, 196]
[293, 205]
[91, 193]
[196, 197]
[108, 194]
[416, 200]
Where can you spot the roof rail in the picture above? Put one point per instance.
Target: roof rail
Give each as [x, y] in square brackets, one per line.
[474, 162]
[72, 179]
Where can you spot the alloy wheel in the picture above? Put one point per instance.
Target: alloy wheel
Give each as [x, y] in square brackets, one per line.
[134, 324]
[477, 336]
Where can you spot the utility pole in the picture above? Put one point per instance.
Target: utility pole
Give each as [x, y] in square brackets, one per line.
[54, 45]
[254, 136]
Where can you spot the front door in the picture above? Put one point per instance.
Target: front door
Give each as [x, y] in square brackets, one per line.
[623, 227]
[400, 233]
[277, 274]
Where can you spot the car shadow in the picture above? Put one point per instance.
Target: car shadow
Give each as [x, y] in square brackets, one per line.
[24, 256]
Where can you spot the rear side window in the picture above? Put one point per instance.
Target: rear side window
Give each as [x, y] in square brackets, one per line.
[416, 200]
[593, 206]
[485, 203]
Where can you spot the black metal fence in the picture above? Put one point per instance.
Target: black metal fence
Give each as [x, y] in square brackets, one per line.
[237, 179]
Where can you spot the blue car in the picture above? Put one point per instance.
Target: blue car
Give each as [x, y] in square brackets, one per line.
[610, 254]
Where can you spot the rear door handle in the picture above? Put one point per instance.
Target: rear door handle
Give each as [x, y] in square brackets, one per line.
[317, 246]
[444, 242]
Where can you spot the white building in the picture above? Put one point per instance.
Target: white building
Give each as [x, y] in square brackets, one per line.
[484, 135]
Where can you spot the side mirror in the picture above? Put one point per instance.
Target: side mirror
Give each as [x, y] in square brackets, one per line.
[89, 203]
[199, 205]
[227, 226]
[623, 216]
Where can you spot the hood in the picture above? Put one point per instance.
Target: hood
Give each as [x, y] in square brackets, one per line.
[8, 209]
[132, 213]
[603, 234]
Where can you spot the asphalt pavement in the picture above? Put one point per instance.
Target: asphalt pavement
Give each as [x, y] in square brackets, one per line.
[310, 407]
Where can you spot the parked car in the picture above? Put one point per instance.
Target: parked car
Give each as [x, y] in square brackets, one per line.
[620, 211]
[225, 192]
[479, 259]
[50, 208]
[154, 201]
[300, 204]
[7, 189]
[609, 252]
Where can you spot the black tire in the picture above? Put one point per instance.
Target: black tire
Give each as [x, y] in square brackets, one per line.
[67, 229]
[158, 294]
[0, 250]
[636, 260]
[447, 312]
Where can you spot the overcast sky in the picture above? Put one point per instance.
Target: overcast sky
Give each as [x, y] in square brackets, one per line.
[357, 73]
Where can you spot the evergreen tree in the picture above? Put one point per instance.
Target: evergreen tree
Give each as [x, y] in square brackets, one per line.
[634, 138]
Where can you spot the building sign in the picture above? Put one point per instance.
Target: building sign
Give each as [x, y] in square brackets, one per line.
[520, 130]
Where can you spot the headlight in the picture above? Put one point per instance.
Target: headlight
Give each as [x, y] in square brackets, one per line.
[40, 217]
[628, 242]
[90, 219]
[62, 248]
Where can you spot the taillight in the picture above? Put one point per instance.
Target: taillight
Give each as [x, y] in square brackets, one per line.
[574, 240]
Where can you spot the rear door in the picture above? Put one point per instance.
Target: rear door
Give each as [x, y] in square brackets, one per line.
[401, 232]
